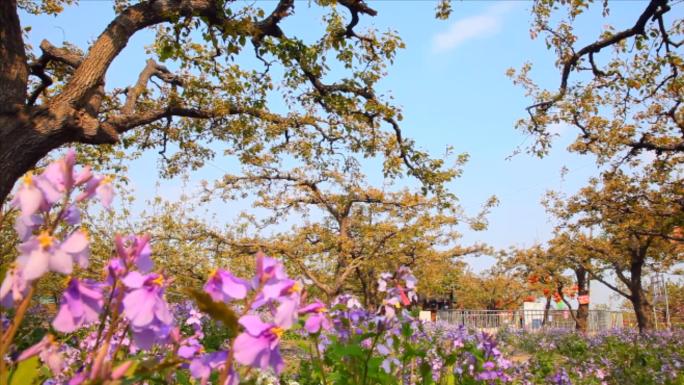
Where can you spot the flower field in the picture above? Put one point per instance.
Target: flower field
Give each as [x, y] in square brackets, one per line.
[263, 328]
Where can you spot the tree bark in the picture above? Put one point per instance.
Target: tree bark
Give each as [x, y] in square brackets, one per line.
[642, 310]
[13, 67]
[582, 319]
[21, 147]
[547, 307]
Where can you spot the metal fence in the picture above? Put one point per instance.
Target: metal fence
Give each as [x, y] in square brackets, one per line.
[599, 320]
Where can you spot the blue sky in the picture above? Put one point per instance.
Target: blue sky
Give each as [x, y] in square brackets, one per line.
[450, 81]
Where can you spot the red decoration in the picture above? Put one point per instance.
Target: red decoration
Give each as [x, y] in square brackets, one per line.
[403, 296]
[583, 299]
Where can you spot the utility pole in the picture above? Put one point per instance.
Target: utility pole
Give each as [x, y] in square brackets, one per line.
[660, 295]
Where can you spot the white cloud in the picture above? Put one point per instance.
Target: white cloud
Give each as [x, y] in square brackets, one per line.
[473, 27]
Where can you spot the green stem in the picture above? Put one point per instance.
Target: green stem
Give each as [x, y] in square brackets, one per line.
[8, 336]
[320, 361]
[105, 313]
[369, 355]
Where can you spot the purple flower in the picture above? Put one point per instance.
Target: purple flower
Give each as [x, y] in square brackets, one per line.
[29, 197]
[269, 270]
[60, 173]
[48, 351]
[14, 287]
[44, 253]
[189, 348]
[102, 186]
[388, 362]
[258, 345]
[135, 249]
[223, 286]
[81, 304]
[146, 308]
[72, 215]
[318, 319]
[39, 193]
[488, 373]
[115, 270]
[25, 225]
[279, 290]
[560, 378]
[202, 366]
[77, 246]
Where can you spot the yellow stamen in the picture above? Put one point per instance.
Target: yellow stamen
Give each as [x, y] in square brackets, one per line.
[213, 273]
[159, 281]
[297, 287]
[278, 331]
[28, 179]
[45, 239]
[321, 309]
[107, 179]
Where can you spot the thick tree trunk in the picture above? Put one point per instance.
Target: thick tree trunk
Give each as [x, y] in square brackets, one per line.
[642, 310]
[26, 134]
[547, 307]
[582, 319]
[365, 289]
[21, 147]
[13, 68]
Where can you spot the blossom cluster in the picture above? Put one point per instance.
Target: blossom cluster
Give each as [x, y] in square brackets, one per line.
[41, 250]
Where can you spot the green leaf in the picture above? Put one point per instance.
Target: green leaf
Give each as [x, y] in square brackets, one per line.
[218, 311]
[27, 372]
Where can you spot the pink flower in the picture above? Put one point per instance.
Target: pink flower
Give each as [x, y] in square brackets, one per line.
[318, 319]
[258, 345]
[48, 351]
[223, 286]
[268, 270]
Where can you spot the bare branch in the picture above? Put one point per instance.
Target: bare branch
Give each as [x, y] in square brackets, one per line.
[151, 69]
[356, 7]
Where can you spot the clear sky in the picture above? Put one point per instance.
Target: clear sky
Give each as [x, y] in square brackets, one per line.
[451, 83]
